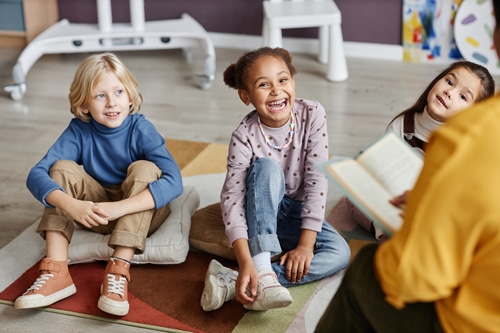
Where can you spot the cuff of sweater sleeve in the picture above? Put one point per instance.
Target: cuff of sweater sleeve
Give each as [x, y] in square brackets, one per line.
[236, 233]
[312, 224]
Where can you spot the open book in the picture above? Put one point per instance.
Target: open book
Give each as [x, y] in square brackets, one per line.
[386, 168]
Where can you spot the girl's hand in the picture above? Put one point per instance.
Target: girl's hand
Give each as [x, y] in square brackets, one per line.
[297, 262]
[246, 284]
[400, 200]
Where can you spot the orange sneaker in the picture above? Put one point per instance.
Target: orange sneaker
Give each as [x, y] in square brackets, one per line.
[53, 284]
[114, 289]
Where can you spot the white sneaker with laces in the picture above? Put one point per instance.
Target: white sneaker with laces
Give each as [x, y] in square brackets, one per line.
[220, 286]
[270, 293]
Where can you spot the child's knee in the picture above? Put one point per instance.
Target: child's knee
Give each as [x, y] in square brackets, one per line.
[266, 164]
[144, 171]
[337, 249]
[266, 168]
[64, 172]
[62, 166]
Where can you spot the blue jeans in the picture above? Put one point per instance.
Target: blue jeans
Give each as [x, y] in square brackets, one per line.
[274, 225]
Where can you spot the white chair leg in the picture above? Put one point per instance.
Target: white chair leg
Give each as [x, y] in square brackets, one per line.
[137, 17]
[275, 39]
[104, 15]
[337, 65]
[265, 32]
[323, 44]
[105, 20]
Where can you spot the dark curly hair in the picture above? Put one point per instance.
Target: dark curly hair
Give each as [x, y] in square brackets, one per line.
[235, 74]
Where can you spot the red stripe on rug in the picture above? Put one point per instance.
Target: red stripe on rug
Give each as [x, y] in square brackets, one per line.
[167, 296]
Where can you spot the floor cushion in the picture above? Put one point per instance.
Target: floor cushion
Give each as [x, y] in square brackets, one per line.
[167, 245]
[208, 234]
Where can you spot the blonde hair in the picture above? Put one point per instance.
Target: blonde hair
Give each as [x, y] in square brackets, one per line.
[87, 75]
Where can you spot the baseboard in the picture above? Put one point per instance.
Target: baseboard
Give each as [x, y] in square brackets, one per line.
[373, 51]
[250, 42]
[308, 45]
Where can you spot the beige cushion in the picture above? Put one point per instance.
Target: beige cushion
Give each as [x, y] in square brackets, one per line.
[169, 244]
[208, 234]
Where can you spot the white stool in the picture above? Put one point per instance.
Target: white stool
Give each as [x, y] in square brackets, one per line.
[283, 14]
[65, 37]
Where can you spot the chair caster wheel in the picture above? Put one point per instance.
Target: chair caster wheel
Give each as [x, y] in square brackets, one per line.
[16, 91]
[204, 81]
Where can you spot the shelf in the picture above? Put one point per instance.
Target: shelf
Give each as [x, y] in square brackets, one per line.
[38, 16]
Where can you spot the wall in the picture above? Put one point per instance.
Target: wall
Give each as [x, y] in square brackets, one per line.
[362, 20]
[372, 21]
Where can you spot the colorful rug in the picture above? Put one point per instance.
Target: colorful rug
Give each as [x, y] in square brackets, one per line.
[166, 297]
[342, 220]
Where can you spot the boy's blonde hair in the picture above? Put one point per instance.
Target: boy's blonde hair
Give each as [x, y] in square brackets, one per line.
[87, 75]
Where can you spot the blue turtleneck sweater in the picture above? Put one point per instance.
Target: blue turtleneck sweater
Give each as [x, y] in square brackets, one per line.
[106, 153]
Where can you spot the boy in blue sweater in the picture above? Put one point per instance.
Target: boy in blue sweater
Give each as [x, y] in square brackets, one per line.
[110, 172]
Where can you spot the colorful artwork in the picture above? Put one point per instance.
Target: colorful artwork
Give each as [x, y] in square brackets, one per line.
[428, 33]
[474, 26]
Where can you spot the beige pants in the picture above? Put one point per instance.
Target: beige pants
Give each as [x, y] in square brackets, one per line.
[129, 230]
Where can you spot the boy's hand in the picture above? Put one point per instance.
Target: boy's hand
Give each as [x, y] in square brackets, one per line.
[112, 210]
[87, 213]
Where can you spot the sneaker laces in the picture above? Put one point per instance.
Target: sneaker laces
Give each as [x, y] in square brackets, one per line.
[40, 281]
[116, 286]
[268, 280]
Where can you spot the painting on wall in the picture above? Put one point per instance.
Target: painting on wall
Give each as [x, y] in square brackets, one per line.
[428, 33]
[475, 22]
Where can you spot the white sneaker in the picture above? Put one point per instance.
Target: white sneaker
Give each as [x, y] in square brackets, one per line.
[220, 286]
[270, 293]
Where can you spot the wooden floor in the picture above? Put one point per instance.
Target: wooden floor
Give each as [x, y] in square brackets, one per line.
[358, 111]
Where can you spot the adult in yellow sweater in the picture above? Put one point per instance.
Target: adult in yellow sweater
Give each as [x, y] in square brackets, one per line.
[441, 271]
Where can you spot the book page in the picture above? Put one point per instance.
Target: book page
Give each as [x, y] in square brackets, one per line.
[393, 163]
[366, 193]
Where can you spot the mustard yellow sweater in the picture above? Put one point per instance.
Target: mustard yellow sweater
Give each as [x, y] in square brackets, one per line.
[448, 250]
